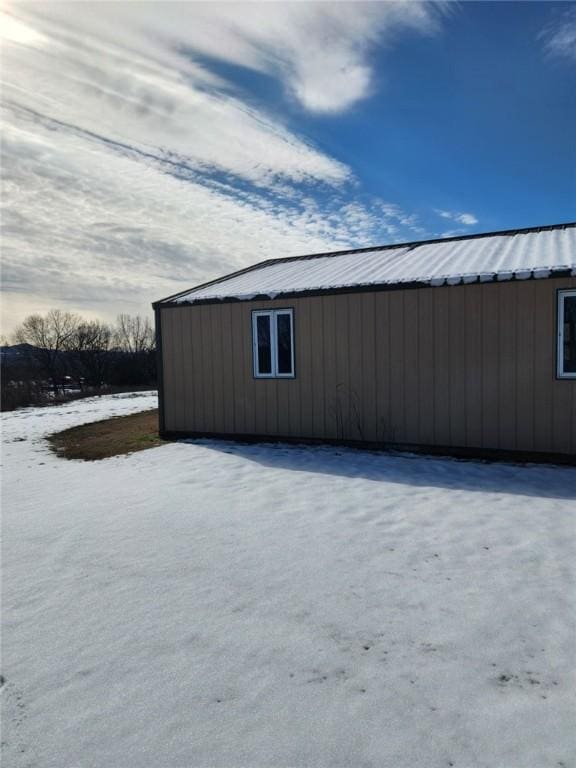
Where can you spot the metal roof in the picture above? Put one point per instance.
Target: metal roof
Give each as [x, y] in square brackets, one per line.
[513, 254]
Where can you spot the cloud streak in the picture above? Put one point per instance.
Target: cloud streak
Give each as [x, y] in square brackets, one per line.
[319, 51]
[131, 168]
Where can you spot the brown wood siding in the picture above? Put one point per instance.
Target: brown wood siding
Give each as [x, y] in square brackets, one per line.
[470, 366]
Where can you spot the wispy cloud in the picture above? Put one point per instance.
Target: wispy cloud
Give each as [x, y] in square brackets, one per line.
[131, 168]
[319, 51]
[467, 219]
[559, 37]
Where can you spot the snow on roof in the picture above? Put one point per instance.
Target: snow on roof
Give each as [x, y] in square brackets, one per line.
[519, 254]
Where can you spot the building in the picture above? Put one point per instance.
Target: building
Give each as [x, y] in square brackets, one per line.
[465, 345]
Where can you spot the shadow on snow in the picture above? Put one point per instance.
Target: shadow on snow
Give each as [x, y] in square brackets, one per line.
[545, 481]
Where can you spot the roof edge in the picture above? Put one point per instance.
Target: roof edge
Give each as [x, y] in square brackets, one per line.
[390, 246]
[554, 273]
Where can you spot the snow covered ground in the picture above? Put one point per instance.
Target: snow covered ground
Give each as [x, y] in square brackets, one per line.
[218, 605]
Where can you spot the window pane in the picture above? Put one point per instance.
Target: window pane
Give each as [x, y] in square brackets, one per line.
[569, 334]
[284, 329]
[264, 346]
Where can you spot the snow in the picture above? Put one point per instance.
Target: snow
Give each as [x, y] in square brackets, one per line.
[491, 257]
[215, 605]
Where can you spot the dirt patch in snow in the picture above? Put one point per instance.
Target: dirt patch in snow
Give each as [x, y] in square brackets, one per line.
[112, 437]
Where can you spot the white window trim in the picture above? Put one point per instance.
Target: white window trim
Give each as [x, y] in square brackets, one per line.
[561, 373]
[272, 314]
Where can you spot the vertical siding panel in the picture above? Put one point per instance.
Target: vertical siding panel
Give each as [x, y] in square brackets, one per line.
[271, 402]
[306, 346]
[356, 420]
[227, 368]
[473, 354]
[197, 369]
[397, 362]
[507, 379]
[316, 373]
[285, 390]
[294, 389]
[237, 361]
[490, 365]
[250, 406]
[411, 366]
[168, 369]
[383, 365]
[426, 365]
[195, 380]
[245, 347]
[342, 365]
[368, 388]
[545, 369]
[525, 383]
[295, 385]
[217, 330]
[208, 353]
[456, 297]
[177, 367]
[197, 373]
[188, 373]
[179, 384]
[260, 406]
[331, 391]
[442, 394]
[201, 370]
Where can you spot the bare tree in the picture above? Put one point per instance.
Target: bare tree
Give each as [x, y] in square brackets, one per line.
[89, 347]
[49, 336]
[134, 334]
[134, 344]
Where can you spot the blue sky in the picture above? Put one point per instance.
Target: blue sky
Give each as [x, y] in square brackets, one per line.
[471, 119]
[151, 146]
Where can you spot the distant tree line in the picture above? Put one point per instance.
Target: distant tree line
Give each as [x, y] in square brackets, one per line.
[61, 355]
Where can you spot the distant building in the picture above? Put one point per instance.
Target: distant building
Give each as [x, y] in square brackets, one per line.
[465, 345]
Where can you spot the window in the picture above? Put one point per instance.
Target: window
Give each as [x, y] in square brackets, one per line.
[567, 334]
[273, 343]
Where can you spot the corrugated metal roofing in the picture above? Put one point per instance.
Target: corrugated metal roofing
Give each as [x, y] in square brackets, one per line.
[500, 256]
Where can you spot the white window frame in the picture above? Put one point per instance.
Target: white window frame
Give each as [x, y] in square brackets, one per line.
[561, 373]
[272, 314]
